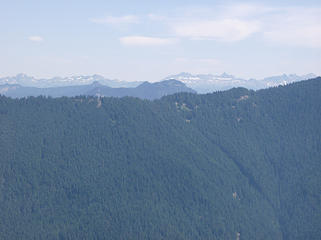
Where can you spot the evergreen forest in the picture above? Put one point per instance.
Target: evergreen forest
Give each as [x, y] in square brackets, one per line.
[236, 164]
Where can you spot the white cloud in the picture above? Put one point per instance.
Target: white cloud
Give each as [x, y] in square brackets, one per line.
[147, 41]
[155, 17]
[295, 27]
[35, 38]
[128, 19]
[288, 26]
[229, 30]
[308, 36]
[246, 10]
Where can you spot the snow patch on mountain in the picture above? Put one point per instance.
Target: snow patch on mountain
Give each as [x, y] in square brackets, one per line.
[29, 81]
[204, 83]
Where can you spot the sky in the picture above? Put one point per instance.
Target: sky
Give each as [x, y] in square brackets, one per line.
[149, 40]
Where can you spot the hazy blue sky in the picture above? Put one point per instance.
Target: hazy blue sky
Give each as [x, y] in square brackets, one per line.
[148, 40]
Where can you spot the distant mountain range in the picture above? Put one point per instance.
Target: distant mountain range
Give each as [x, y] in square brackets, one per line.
[145, 90]
[23, 85]
[29, 81]
[204, 83]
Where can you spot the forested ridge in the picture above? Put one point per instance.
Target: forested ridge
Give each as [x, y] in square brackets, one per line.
[236, 164]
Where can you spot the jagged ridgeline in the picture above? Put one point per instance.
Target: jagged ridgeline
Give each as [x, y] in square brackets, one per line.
[237, 164]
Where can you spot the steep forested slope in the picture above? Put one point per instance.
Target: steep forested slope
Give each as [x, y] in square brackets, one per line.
[218, 166]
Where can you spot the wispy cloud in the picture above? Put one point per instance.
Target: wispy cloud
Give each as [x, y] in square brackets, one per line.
[128, 19]
[308, 36]
[288, 26]
[156, 17]
[245, 10]
[146, 41]
[295, 27]
[228, 30]
[35, 38]
[222, 23]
